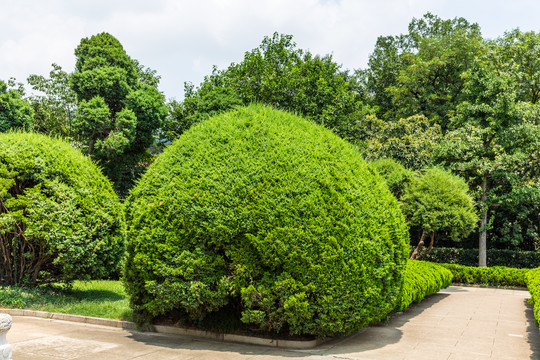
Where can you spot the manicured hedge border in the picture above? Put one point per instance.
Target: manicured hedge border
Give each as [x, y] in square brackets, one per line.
[533, 284]
[469, 257]
[490, 276]
[422, 278]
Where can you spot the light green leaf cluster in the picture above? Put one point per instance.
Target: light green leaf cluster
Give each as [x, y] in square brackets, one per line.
[15, 112]
[438, 201]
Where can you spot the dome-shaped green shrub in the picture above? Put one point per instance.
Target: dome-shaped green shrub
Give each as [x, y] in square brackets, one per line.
[265, 213]
[60, 220]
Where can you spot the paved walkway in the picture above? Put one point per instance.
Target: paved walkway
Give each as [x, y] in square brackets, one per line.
[457, 323]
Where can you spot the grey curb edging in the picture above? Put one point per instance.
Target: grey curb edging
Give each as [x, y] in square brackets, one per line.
[128, 325]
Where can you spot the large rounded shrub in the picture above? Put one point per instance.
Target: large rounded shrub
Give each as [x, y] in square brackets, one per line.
[263, 213]
[60, 220]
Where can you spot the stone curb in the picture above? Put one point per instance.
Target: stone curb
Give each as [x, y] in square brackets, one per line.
[128, 325]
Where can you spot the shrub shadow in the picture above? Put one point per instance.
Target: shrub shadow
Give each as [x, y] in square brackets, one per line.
[370, 338]
[533, 333]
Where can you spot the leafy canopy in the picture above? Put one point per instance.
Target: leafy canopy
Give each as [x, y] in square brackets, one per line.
[279, 74]
[119, 107]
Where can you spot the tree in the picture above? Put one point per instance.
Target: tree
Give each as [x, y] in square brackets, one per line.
[438, 201]
[419, 73]
[119, 107]
[520, 52]
[15, 112]
[409, 141]
[278, 74]
[54, 108]
[491, 135]
[395, 175]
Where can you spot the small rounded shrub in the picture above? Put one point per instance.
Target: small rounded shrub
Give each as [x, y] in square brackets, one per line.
[266, 214]
[60, 220]
[395, 174]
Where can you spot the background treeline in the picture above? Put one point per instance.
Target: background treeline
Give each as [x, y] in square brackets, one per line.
[440, 95]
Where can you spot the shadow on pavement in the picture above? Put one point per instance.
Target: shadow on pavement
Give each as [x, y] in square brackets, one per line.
[371, 338]
[378, 336]
[533, 333]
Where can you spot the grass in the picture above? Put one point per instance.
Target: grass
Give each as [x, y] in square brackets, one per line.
[98, 298]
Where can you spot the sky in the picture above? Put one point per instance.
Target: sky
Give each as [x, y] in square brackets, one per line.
[183, 39]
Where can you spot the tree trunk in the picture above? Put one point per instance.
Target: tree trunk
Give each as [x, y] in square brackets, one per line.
[419, 247]
[430, 247]
[482, 241]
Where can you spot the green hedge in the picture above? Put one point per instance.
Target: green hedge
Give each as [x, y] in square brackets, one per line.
[422, 278]
[469, 257]
[267, 214]
[533, 284]
[492, 276]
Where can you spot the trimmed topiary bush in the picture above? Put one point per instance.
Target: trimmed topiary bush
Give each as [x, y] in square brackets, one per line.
[263, 214]
[60, 220]
[421, 279]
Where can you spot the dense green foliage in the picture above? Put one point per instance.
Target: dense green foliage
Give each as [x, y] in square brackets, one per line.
[15, 112]
[438, 201]
[60, 220]
[495, 257]
[419, 73]
[420, 279]
[277, 74]
[493, 276]
[395, 175]
[410, 141]
[265, 212]
[54, 105]
[532, 280]
[119, 108]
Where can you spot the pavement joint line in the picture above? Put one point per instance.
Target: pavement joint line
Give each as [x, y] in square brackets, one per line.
[170, 330]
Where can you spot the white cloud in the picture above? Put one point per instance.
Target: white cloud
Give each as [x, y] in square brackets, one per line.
[183, 39]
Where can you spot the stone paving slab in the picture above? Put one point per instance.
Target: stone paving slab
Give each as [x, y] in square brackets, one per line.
[457, 323]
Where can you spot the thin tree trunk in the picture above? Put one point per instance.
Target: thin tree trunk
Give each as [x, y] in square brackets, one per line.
[482, 241]
[418, 247]
[430, 247]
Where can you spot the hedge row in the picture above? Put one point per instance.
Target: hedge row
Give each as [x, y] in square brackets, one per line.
[469, 257]
[533, 284]
[493, 276]
[422, 278]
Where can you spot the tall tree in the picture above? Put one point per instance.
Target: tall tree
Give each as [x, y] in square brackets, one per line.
[419, 73]
[279, 74]
[119, 107]
[55, 103]
[409, 141]
[521, 54]
[491, 135]
[15, 112]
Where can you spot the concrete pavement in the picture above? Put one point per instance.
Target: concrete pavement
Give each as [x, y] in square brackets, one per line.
[457, 323]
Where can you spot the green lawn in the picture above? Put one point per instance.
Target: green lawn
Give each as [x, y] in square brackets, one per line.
[98, 298]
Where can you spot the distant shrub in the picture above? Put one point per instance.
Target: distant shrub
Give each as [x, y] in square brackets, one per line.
[422, 278]
[395, 174]
[533, 284]
[495, 257]
[494, 276]
[266, 213]
[60, 220]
